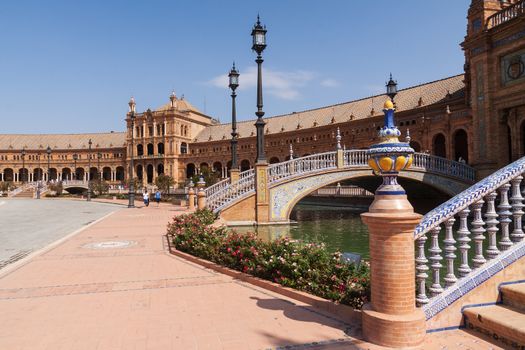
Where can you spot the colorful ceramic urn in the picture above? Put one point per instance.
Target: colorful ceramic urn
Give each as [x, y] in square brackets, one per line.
[390, 156]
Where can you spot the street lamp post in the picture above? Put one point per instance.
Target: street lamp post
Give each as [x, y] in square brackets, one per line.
[39, 178]
[23, 153]
[89, 172]
[99, 156]
[259, 44]
[234, 83]
[48, 151]
[75, 158]
[131, 192]
[391, 88]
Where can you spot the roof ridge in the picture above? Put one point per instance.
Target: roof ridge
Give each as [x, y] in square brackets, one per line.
[346, 102]
[74, 134]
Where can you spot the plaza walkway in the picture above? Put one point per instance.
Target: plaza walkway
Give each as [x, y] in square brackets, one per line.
[114, 286]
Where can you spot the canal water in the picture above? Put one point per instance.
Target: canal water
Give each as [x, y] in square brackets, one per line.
[338, 226]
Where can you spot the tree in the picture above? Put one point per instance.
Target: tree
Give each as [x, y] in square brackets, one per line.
[99, 187]
[164, 182]
[210, 177]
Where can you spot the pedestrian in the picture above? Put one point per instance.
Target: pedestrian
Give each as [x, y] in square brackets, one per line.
[145, 196]
[157, 197]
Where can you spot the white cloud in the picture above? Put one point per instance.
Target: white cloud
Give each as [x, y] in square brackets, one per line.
[330, 83]
[284, 85]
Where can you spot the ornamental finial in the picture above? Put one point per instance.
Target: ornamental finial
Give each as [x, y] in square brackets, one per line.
[338, 138]
[131, 104]
[407, 138]
[291, 151]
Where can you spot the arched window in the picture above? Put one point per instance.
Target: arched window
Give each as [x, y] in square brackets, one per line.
[274, 160]
[245, 165]
[183, 148]
[190, 170]
[461, 145]
[217, 168]
[119, 176]
[160, 148]
[160, 169]
[149, 173]
[140, 150]
[106, 173]
[439, 146]
[415, 145]
[150, 149]
[139, 172]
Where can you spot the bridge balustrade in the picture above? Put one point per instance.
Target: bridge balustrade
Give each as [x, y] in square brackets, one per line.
[507, 14]
[225, 192]
[470, 251]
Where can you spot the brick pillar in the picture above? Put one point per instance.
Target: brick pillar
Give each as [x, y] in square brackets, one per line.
[262, 194]
[234, 175]
[191, 199]
[391, 318]
[201, 199]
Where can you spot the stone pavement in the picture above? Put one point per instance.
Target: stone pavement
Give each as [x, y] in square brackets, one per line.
[114, 286]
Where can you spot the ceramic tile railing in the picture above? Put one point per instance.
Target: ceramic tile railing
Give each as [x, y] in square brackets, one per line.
[482, 225]
[301, 166]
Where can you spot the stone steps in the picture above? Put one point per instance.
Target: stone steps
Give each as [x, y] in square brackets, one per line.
[503, 322]
[25, 194]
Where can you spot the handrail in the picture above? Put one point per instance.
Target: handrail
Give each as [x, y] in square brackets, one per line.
[471, 195]
[506, 14]
[482, 225]
[220, 194]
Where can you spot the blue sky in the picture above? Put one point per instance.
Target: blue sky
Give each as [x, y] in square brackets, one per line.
[71, 66]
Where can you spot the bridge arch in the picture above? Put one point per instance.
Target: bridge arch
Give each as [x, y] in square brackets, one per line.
[284, 196]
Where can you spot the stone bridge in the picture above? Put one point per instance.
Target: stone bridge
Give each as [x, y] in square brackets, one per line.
[288, 182]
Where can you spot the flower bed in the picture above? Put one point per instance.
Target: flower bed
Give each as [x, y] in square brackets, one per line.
[306, 267]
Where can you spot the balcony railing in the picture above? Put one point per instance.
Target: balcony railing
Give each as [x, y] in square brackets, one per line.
[503, 16]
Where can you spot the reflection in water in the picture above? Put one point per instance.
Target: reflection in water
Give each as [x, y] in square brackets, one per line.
[339, 228]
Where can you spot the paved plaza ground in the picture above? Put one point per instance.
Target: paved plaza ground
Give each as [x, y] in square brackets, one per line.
[114, 286]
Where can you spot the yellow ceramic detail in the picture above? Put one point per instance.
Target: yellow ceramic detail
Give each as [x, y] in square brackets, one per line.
[386, 163]
[409, 163]
[389, 104]
[400, 163]
[372, 164]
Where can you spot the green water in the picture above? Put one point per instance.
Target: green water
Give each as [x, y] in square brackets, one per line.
[340, 228]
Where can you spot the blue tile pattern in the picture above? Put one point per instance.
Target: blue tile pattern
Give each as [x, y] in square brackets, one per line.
[474, 279]
[471, 195]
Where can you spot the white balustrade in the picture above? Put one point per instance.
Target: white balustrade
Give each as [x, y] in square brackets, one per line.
[482, 215]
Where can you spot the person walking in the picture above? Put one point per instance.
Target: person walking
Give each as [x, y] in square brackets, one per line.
[145, 197]
[157, 197]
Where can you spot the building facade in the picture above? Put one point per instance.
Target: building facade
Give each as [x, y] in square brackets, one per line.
[478, 116]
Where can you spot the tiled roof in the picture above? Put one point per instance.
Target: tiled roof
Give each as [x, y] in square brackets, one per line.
[62, 141]
[182, 105]
[406, 99]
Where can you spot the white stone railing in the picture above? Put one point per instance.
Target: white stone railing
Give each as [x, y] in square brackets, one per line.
[301, 166]
[74, 183]
[224, 192]
[482, 231]
[505, 15]
[443, 166]
[239, 189]
[211, 190]
[343, 191]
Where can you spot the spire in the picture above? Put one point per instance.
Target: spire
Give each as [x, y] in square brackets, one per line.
[132, 104]
[173, 98]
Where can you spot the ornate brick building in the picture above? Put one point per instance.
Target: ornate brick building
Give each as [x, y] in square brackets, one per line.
[478, 116]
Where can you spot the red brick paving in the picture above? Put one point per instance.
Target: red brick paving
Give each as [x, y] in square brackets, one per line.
[140, 297]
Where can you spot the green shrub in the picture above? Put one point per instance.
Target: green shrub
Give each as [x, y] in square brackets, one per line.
[307, 267]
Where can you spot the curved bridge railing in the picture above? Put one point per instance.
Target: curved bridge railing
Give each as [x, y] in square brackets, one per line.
[224, 193]
[483, 234]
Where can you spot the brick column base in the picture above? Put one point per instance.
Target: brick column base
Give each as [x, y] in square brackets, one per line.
[392, 319]
[396, 331]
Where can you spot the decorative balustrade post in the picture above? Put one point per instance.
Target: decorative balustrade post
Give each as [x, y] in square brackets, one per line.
[421, 268]
[262, 193]
[391, 318]
[504, 213]
[517, 209]
[450, 249]
[234, 175]
[191, 196]
[339, 151]
[201, 195]
[463, 239]
[491, 219]
[435, 258]
[477, 231]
